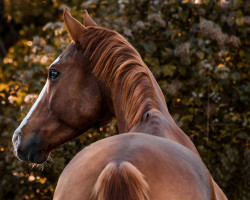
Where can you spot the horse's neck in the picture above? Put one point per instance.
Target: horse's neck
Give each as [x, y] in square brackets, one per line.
[156, 122]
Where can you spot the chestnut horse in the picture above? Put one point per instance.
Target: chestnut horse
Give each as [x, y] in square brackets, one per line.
[99, 76]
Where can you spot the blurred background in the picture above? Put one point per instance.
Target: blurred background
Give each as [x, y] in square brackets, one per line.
[199, 52]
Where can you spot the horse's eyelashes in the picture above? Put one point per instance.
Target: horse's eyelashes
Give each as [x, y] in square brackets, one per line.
[53, 74]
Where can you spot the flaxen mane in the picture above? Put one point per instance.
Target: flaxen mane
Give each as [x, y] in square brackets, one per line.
[120, 66]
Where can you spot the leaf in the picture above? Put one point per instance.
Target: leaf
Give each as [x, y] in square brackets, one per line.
[240, 21]
[152, 61]
[243, 135]
[200, 55]
[149, 46]
[168, 69]
[187, 118]
[182, 70]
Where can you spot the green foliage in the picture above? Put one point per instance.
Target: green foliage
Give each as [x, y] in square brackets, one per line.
[199, 53]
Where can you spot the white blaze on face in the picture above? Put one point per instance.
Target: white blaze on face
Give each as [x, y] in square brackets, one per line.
[24, 122]
[56, 61]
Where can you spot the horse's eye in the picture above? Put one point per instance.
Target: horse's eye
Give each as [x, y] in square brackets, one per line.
[53, 74]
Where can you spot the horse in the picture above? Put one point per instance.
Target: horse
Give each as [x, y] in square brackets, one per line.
[100, 76]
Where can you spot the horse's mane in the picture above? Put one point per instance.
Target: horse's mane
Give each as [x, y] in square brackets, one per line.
[120, 67]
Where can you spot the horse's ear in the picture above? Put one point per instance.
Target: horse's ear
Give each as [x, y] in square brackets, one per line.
[75, 28]
[87, 19]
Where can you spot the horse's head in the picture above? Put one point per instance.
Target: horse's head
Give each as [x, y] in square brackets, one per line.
[71, 102]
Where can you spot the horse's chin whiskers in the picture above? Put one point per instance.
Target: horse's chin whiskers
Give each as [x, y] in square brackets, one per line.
[43, 165]
[39, 166]
[49, 159]
[13, 149]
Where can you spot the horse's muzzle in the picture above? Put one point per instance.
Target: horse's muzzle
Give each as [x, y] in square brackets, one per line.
[32, 156]
[29, 151]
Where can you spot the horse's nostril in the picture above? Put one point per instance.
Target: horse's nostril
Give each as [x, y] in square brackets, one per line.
[21, 155]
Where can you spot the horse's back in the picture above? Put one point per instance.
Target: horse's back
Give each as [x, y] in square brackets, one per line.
[170, 170]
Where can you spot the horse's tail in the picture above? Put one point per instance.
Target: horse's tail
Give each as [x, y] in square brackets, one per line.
[121, 181]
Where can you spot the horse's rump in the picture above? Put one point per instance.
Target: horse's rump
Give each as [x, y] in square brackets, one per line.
[120, 181]
[135, 167]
